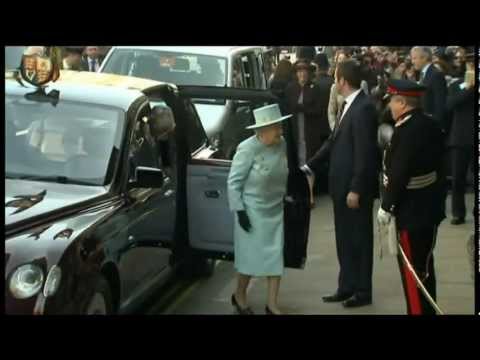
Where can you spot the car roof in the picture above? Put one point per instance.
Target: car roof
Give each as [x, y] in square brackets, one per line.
[221, 51]
[95, 88]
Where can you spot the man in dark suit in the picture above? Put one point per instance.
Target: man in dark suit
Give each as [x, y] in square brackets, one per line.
[435, 96]
[353, 156]
[461, 102]
[323, 81]
[92, 61]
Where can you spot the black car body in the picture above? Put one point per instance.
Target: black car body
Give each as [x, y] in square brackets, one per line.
[97, 216]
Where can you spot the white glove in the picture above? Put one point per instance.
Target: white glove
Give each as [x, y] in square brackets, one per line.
[383, 217]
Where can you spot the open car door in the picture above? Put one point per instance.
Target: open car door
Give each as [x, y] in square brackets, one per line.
[210, 222]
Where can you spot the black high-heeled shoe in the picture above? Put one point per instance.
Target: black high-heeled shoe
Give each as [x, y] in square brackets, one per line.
[240, 310]
[268, 311]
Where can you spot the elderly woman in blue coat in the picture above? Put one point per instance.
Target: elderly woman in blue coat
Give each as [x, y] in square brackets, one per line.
[257, 184]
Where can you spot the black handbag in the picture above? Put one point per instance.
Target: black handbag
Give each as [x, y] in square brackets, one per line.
[296, 221]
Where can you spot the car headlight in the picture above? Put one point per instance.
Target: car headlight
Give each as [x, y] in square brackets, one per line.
[53, 281]
[26, 281]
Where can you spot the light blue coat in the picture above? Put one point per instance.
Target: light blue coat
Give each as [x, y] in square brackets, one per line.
[257, 183]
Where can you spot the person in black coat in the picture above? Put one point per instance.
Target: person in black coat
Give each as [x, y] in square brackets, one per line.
[461, 102]
[303, 99]
[414, 185]
[305, 53]
[309, 128]
[324, 82]
[435, 96]
[282, 77]
[353, 174]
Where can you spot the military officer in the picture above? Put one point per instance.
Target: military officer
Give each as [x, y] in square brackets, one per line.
[414, 182]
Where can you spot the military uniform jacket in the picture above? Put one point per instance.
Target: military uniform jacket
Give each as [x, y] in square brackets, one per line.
[414, 178]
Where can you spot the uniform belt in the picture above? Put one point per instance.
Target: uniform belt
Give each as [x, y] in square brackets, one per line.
[417, 182]
[420, 182]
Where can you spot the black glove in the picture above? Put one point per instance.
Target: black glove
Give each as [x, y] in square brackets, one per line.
[243, 220]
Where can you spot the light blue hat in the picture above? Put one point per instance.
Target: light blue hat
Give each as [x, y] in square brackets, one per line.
[267, 115]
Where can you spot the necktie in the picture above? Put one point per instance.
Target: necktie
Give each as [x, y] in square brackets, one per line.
[92, 65]
[339, 116]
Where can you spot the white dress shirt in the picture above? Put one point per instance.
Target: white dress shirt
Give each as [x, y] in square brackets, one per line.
[90, 64]
[349, 100]
[424, 71]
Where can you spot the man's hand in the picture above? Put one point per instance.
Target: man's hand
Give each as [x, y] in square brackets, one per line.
[469, 79]
[353, 200]
[383, 217]
[243, 220]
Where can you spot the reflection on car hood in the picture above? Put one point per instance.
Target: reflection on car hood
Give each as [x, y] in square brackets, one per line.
[28, 199]
[210, 116]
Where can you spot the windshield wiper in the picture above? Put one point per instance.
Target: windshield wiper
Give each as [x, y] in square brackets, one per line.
[51, 178]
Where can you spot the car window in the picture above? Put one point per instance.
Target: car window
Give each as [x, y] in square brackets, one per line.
[238, 79]
[248, 75]
[196, 134]
[261, 77]
[13, 56]
[142, 150]
[177, 68]
[75, 141]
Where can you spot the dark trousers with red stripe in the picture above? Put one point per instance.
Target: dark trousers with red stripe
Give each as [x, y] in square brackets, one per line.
[418, 246]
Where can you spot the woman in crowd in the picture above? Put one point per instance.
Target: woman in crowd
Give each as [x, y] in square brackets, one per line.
[304, 101]
[282, 76]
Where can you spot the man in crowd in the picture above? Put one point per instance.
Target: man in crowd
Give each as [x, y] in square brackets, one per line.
[461, 102]
[435, 96]
[93, 59]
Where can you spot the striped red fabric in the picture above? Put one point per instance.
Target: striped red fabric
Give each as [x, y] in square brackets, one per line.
[410, 284]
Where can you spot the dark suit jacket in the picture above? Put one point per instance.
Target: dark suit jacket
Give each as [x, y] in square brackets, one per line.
[353, 153]
[85, 65]
[416, 148]
[462, 105]
[316, 124]
[278, 88]
[435, 97]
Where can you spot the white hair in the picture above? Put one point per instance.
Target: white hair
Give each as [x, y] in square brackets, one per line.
[35, 50]
[424, 50]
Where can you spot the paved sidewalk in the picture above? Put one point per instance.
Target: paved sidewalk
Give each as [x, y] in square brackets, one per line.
[301, 290]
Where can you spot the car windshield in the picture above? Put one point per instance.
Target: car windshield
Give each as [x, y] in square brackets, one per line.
[71, 142]
[177, 68]
[13, 56]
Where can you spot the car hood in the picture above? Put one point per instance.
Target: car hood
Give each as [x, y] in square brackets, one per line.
[211, 116]
[26, 200]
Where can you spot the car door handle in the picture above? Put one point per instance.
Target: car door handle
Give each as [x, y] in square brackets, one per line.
[213, 194]
[169, 193]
